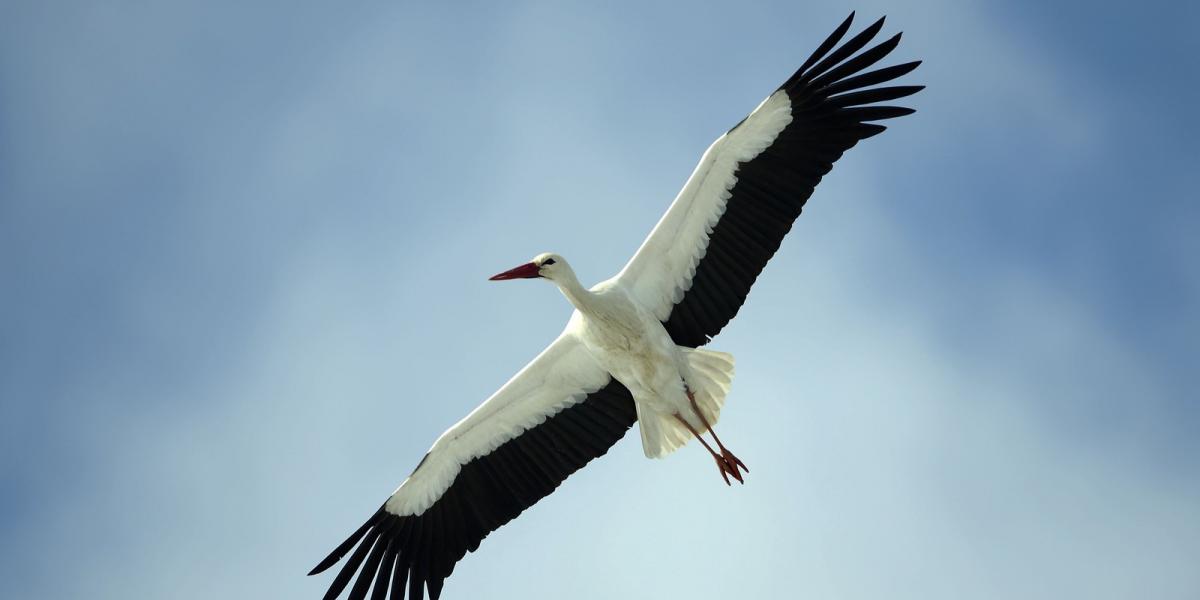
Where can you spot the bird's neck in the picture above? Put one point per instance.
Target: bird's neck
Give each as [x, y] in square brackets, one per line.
[578, 295]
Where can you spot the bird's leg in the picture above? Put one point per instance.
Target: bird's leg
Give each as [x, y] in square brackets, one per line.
[733, 461]
[722, 464]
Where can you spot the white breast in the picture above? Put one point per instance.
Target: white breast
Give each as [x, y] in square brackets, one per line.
[634, 347]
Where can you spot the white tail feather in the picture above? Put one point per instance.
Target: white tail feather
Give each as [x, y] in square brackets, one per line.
[709, 375]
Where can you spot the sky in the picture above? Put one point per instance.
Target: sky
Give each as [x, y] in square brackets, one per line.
[244, 251]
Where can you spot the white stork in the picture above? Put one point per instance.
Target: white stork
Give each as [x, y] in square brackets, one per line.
[630, 351]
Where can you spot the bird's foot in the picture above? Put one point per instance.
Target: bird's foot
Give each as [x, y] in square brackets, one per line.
[733, 461]
[728, 468]
[723, 468]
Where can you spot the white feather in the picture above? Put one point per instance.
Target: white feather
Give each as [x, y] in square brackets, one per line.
[662, 269]
[562, 375]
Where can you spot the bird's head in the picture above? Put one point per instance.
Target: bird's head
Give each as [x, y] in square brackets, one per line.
[547, 266]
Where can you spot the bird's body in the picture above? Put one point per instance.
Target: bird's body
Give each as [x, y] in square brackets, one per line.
[631, 345]
[631, 352]
[628, 342]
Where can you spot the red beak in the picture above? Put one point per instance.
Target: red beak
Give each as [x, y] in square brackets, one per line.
[525, 271]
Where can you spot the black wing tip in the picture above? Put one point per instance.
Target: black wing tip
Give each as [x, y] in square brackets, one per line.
[822, 50]
[873, 28]
[334, 558]
[830, 54]
[836, 67]
[892, 112]
[871, 130]
[434, 585]
[350, 542]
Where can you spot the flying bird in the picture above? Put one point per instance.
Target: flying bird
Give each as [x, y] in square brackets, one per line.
[632, 349]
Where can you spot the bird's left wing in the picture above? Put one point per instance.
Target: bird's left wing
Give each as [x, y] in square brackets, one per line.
[553, 417]
[696, 267]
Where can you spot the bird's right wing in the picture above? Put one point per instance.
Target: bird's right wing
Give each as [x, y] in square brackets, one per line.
[698, 264]
[553, 417]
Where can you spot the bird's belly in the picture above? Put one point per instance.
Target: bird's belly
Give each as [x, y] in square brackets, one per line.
[648, 366]
[643, 371]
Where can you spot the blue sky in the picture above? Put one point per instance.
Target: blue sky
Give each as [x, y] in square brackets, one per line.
[244, 252]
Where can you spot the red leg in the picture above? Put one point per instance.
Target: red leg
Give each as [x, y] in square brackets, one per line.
[724, 466]
[729, 457]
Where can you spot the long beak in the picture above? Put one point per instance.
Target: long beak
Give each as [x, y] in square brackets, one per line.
[525, 271]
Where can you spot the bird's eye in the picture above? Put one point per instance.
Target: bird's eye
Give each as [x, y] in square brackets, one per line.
[548, 262]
